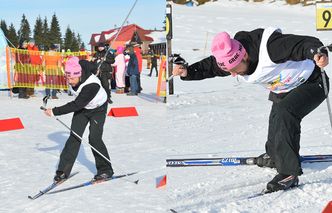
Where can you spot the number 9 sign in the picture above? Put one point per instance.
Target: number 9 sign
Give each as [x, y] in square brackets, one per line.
[324, 16]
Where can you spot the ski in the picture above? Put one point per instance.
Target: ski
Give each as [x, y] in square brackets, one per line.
[232, 161]
[50, 187]
[93, 182]
[266, 192]
[236, 161]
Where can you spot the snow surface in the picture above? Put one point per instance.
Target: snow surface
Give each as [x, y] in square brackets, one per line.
[28, 157]
[222, 117]
[158, 37]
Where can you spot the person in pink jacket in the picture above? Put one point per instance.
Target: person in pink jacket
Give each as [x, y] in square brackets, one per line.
[120, 64]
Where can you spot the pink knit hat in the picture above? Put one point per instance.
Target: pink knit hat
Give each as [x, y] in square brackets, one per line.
[228, 52]
[72, 68]
[119, 49]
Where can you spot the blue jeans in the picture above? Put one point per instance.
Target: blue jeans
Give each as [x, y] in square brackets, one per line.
[133, 84]
[48, 91]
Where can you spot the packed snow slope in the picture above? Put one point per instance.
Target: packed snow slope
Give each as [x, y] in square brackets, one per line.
[223, 117]
[28, 157]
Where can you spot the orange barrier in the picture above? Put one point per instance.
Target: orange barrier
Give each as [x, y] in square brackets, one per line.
[11, 124]
[123, 112]
[161, 86]
[32, 69]
[8, 67]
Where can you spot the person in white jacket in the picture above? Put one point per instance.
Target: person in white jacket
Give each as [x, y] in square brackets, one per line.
[120, 64]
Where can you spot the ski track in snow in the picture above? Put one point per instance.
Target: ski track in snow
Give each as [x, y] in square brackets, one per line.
[222, 117]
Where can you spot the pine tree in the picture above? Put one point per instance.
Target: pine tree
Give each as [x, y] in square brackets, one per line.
[25, 31]
[45, 33]
[68, 40]
[82, 47]
[3, 27]
[38, 32]
[79, 41]
[12, 36]
[75, 43]
[55, 32]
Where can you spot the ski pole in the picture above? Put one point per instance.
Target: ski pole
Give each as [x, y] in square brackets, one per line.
[117, 34]
[81, 139]
[328, 48]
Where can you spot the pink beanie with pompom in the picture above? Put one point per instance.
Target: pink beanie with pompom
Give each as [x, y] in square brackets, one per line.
[228, 52]
[73, 68]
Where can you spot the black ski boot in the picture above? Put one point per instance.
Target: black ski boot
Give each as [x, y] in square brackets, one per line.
[103, 176]
[264, 160]
[59, 176]
[282, 182]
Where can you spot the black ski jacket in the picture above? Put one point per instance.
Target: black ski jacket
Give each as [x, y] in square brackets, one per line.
[281, 48]
[106, 66]
[87, 93]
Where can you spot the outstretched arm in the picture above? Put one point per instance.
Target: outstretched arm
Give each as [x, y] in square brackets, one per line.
[206, 68]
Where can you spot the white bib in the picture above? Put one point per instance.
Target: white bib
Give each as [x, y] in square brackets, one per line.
[99, 99]
[279, 78]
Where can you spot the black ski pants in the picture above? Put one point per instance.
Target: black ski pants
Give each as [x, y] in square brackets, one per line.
[155, 67]
[288, 110]
[80, 120]
[104, 80]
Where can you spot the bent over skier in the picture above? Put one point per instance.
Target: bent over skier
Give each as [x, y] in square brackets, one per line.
[89, 107]
[285, 64]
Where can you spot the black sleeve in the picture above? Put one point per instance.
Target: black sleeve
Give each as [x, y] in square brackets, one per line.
[88, 66]
[110, 58]
[206, 68]
[285, 47]
[86, 95]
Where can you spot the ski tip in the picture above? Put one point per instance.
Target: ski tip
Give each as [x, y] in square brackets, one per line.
[30, 197]
[266, 191]
[136, 182]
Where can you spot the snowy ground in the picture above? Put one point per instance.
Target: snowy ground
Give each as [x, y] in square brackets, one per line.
[28, 157]
[224, 118]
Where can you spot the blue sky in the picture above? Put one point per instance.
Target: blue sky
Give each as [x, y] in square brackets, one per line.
[85, 17]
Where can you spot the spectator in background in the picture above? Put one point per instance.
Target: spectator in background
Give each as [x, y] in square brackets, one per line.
[36, 63]
[148, 61]
[133, 72]
[21, 67]
[52, 61]
[154, 64]
[138, 53]
[120, 64]
[105, 70]
[127, 80]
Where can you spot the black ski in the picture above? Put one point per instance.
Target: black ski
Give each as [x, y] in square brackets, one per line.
[265, 191]
[93, 182]
[50, 187]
